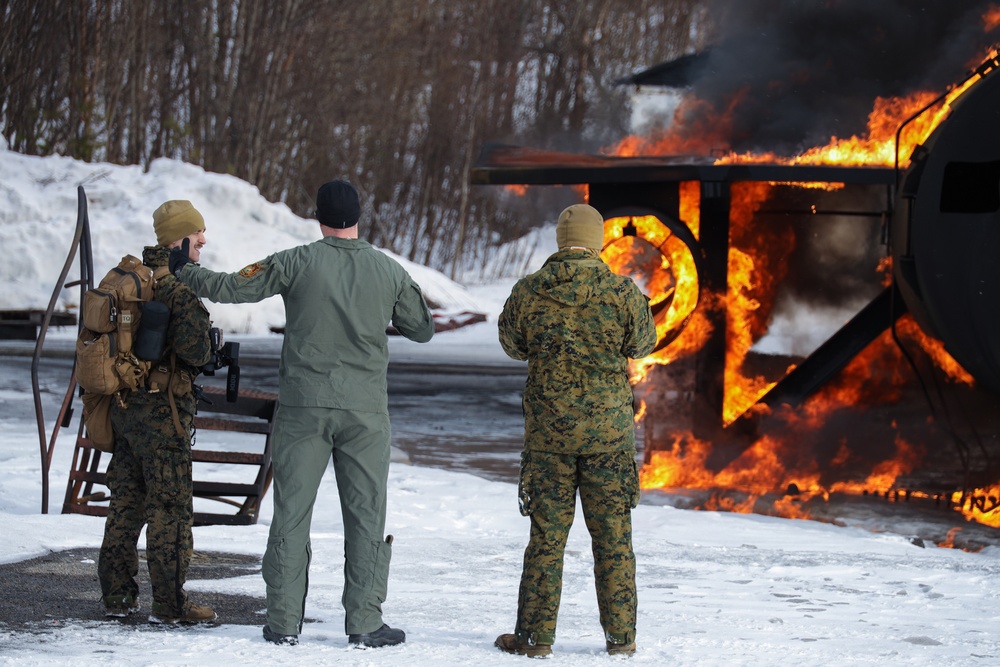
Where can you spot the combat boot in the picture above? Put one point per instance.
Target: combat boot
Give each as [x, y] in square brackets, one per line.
[508, 644]
[278, 638]
[384, 636]
[190, 613]
[119, 606]
[626, 649]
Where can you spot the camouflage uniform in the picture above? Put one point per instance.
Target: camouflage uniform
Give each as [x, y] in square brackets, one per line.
[150, 470]
[577, 324]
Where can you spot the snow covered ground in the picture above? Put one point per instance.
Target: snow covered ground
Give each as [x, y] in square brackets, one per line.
[714, 588]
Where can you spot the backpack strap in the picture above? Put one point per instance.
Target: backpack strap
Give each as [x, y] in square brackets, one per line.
[160, 272]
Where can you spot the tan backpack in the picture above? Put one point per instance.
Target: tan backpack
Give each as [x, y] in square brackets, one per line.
[106, 365]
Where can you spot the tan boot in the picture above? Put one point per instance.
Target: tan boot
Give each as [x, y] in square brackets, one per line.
[621, 649]
[191, 613]
[508, 644]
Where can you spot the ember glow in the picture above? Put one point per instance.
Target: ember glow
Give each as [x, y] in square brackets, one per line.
[777, 464]
[991, 18]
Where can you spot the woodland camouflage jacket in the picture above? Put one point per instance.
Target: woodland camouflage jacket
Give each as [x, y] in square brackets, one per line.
[577, 324]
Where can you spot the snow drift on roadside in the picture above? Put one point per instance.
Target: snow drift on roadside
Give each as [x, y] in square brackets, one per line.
[38, 210]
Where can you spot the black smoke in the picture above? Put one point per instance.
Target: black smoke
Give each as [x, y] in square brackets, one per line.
[806, 70]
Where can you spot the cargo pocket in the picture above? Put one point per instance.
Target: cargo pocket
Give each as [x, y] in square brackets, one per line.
[634, 492]
[525, 485]
[181, 383]
[271, 569]
[383, 554]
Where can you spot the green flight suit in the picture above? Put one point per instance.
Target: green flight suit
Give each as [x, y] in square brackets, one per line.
[339, 295]
[577, 324]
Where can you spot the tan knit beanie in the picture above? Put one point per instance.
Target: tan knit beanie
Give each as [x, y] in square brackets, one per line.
[580, 226]
[175, 219]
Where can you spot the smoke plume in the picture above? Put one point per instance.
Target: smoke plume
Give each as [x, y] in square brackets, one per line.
[806, 70]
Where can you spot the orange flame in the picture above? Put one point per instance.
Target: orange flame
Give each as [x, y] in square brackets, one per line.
[773, 465]
[755, 269]
[935, 350]
[980, 505]
[949, 541]
[708, 133]
[991, 18]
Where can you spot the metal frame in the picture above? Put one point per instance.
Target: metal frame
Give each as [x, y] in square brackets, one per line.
[620, 186]
[252, 413]
[83, 498]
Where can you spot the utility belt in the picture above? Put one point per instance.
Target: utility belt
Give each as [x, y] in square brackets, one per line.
[173, 382]
[161, 379]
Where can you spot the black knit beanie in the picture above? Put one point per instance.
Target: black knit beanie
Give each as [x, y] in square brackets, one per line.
[337, 205]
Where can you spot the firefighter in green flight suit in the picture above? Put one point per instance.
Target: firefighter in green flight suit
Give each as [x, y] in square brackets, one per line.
[340, 294]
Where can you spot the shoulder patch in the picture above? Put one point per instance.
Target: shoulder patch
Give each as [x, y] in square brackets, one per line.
[250, 270]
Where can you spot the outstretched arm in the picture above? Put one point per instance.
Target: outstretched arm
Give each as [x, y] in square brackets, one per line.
[254, 282]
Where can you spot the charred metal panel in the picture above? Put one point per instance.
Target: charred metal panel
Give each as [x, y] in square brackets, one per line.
[711, 358]
[500, 164]
[946, 242]
[618, 199]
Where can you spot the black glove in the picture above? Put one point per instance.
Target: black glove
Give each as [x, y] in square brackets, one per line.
[179, 257]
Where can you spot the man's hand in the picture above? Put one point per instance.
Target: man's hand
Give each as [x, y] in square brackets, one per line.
[179, 257]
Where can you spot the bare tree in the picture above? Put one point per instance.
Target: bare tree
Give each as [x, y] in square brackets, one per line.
[396, 95]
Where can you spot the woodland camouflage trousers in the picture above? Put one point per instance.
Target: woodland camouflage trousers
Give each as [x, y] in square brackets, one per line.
[609, 489]
[150, 481]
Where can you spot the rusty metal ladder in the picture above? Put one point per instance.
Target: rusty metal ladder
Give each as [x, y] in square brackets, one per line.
[251, 414]
[85, 495]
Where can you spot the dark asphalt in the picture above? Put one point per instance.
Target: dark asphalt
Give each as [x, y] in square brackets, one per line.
[46, 592]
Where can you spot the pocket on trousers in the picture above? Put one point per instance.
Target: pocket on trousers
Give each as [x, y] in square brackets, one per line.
[633, 484]
[273, 564]
[525, 485]
[383, 554]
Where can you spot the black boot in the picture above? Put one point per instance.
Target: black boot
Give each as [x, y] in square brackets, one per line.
[278, 638]
[384, 636]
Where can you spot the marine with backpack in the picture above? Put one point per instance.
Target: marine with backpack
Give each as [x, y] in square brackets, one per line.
[145, 375]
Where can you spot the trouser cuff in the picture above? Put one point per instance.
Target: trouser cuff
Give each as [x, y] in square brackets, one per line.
[626, 637]
[535, 638]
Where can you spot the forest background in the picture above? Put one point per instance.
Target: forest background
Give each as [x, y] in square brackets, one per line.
[398, 96]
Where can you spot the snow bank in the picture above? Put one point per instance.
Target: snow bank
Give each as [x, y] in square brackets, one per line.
[38, 209]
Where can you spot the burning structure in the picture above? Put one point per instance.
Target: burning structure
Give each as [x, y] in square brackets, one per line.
[900, 227]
